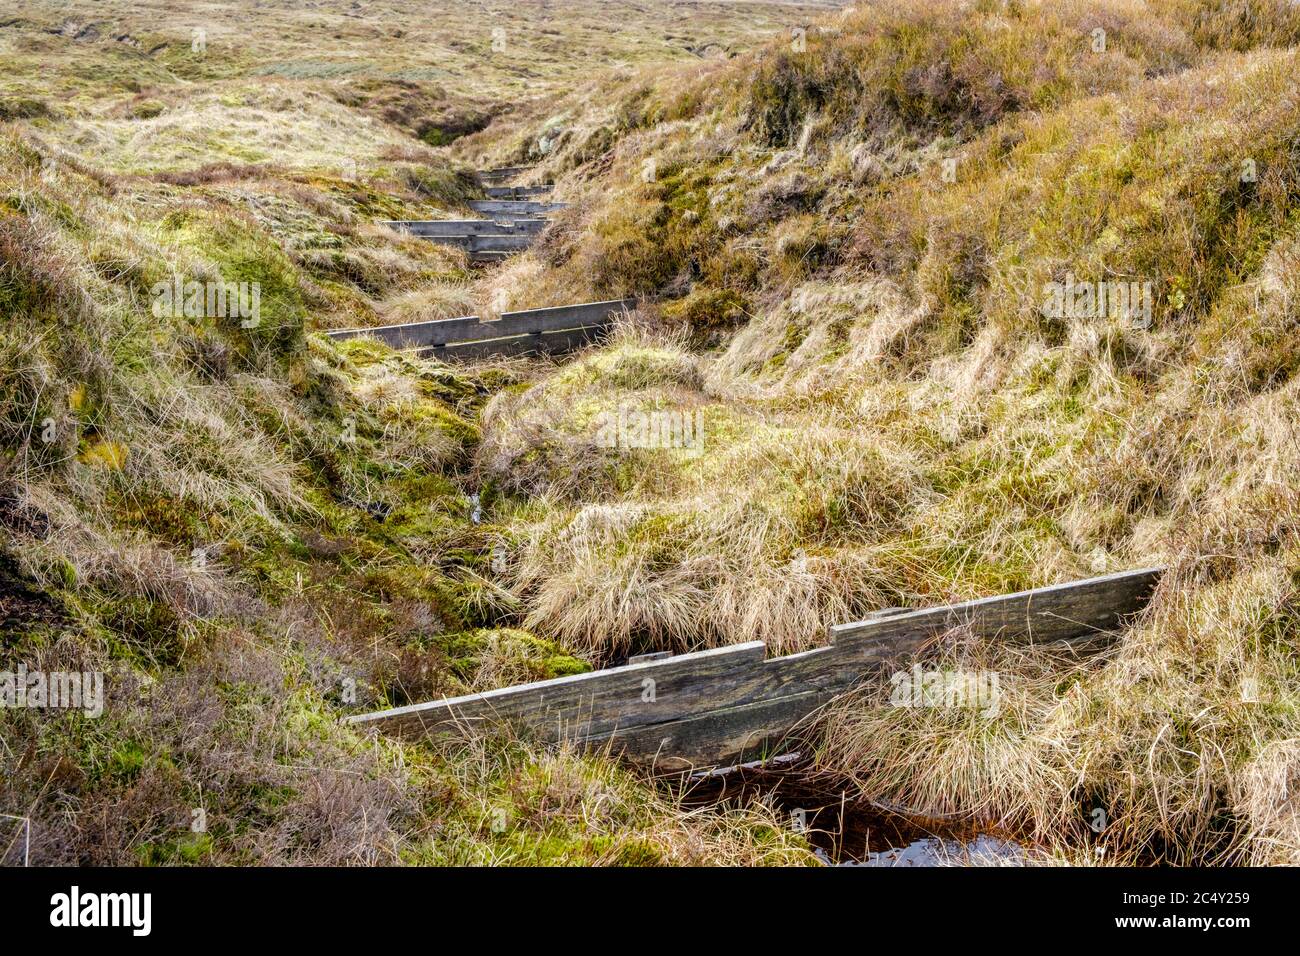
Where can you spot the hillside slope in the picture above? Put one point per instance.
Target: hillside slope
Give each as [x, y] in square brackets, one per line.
[869, 253]
[853, 249]
[247, 531]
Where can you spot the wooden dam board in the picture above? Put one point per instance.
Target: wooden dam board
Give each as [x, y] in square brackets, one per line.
[460, 242]
[597, 701]
[556, 317]
[427, 228]
[727, 705]
[516, 192]
[501, 243]
[439, 332]
[721, 738]
[412, 334]
[502, 173]
[544, 343]
[1058, 612]
[515, 208]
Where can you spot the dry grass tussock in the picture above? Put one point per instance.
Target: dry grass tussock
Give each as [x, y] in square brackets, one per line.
[773, 528]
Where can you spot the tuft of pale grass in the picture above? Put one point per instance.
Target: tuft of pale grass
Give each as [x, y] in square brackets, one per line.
[1267, 800]
[769, 531]
[988, 763]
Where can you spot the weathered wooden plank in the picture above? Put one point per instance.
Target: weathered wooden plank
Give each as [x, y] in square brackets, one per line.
[583, 704]
[500, 243]
[591, 316]
[1079, 609]
[526, 226]
[414, 334]
[517, 192]
[466, 227]
[545, 343]
[718, 738]
[562, 316]
[750, 709]
[515, 208]
[587, 317]
[460, 242]
[440, 227]
[724, 710]
[500, 330]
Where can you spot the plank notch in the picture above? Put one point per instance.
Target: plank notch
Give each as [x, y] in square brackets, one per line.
[731, 705]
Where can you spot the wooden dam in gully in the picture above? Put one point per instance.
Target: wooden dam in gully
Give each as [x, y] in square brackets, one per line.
[732, 705]
[719, 707]
[513, 223]
[514, 216]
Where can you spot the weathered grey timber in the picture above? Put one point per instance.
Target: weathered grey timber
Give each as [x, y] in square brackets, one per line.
[485, 243]
[1059, 612]
[729, 705]
[517, 192]
[548, 327]
[542, 343]
[502, 174]
[500, 243]
[515, 208]
[725, 737]
[466, 227]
